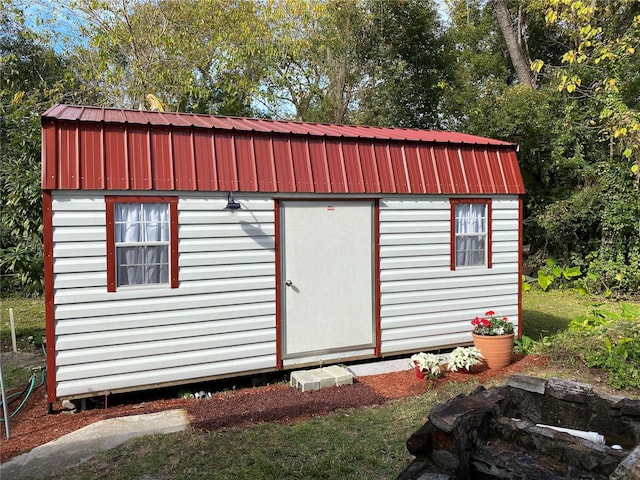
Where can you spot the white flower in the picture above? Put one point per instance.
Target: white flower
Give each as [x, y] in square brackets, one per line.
[428, 363]
[464, 357]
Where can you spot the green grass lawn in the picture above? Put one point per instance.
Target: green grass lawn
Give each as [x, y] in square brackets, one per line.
[28, 317]
[366, 443]
[547, 313]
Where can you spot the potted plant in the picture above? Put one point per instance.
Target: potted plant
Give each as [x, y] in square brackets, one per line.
[463, 358]
[493, 336]
[426, 365]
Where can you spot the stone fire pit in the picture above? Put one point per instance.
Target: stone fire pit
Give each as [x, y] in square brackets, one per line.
[504, 433]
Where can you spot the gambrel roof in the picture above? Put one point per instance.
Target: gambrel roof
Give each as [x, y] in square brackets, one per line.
[92, 148]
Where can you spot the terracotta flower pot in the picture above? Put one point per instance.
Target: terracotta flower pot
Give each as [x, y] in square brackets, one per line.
[497, 350]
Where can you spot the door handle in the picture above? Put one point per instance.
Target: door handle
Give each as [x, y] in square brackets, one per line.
[288, 283]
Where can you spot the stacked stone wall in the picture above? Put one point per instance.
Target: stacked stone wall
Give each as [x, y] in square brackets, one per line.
[497, 433]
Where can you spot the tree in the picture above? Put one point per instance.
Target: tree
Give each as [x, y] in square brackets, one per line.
[372, 61]
[32, 77]
[601, 64]
[311, 71]
[516, 52]
[193, 55]
[487, 99]
[582, 206]
[408, 65]
[375, 62]
[599, 69]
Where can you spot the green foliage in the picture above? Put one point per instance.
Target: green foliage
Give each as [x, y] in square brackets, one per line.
[21, 251]
[194, 56]
[544, 280]
[597, 226]
[597, 220]
[370, 61]
[30, 80]
[548, 313]
[565, 224]
[618, 348]
[606, 335]
[601, 46]
[618, 271]
[407, 60]
[523, 345]
[553, 273]
[594, 318]
[481, 69]
[607, 339]
[576, 149]
[595, 281]
[616, 260]
[313, 67]
[591, 284]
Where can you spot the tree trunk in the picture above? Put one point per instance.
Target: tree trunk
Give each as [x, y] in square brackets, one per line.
[520, 64]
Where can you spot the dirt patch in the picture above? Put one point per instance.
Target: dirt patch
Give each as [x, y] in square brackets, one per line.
[22, 359]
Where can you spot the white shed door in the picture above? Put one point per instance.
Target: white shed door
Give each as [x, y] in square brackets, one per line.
[327, 276]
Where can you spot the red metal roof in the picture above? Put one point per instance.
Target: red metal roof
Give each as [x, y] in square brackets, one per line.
[112, 149]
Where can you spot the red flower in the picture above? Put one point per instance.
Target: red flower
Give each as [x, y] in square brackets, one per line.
[419, 373]
[491, 324]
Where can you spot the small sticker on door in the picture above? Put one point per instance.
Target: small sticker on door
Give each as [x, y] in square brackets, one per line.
[330, 208]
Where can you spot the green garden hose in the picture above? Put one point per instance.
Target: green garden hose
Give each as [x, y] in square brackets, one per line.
[29, 389]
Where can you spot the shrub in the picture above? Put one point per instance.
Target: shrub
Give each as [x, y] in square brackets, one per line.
[613, 343]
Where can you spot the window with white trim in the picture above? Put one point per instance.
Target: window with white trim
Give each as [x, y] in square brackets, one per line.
[471, 243]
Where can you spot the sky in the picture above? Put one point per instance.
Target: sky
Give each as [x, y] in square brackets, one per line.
[49, 16]
[52, 16]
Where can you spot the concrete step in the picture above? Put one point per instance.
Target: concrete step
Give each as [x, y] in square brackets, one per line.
[307, 380]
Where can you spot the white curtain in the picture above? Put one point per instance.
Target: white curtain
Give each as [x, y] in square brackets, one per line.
[142, 243]
[471, 233]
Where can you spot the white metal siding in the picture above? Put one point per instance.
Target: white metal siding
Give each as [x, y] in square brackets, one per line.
[426, 305]
[220, 321]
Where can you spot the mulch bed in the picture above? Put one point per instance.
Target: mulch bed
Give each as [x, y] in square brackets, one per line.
[32, 426]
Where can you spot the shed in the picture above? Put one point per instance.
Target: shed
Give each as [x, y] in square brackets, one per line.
[181, 248]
